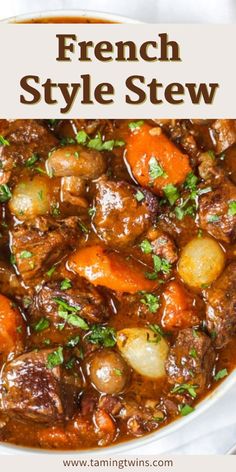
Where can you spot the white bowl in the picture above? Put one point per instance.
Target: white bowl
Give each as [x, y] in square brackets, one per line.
[205, 404]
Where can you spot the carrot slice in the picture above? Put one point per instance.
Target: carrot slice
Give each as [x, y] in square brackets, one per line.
[110, 269]
[12, 328]
[155, 161]
[177, 306]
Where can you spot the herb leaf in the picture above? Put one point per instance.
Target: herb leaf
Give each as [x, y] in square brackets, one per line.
[151, 301]
[55, 358]
[221, 374]
[103, 335]
[5, 193]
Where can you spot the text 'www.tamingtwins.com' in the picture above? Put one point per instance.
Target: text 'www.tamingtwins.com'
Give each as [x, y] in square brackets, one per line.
[118, 463]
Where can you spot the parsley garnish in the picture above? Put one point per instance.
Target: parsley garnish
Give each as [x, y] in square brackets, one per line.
[41, 325]
[185, 409]
[103, 335]
[25, 255]
[5, 193]
[190, 389]
[146, 246]
[55, 358]
[69, 314]
[73, 342]
[155, 170]
[135, 124]
[232, 208]
[3, 141]
[171, 193]
[151, 301]
[65, 284]
[139, 196]
[31, 160]
[221, 374]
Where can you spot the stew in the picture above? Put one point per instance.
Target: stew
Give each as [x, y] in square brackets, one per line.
[117, 275]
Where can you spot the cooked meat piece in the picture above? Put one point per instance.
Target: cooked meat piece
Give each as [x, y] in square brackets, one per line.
[224, 133]
[9, 282]
[139, 418]
[221, 306]
[31, 389]
[162, 245]
[120, 218]
[214, 212]
[36, 249]
[191, 359]
[26, 137]
[81, 294]
[73, 190]
[209, 170]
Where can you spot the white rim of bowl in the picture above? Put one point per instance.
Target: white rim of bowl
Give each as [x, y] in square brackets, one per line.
[93, 14]
[204, 404]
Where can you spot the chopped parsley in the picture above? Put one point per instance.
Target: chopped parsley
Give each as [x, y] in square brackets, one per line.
[55, 358]
[161, 265]
[3, 141]
[92, 211]
[151, 301]
[191, 182]
[118, 372]
[182, 388]
[65, 284]
[213, 218]
[73, 341]
[155, 169]
[69, 314]
[51, 271]
[146, 246]
[25, 255]
[158, 333]
[232, 208]
[31, 160]
[41, 325]
[5, 193]
[171, 193]
[133, 125]
[193, 353]
[83, 227]
[103, 335]
[81, 137]
[185, 409]
[97, 142]
[221, 374]
[139, 196]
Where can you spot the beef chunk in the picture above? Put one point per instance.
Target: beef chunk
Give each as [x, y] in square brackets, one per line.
[221, 306]
[82, 295]
[31, 389]
[40, 245]
[214, 212]
[139, 418]
[224, 134]
[191, 359]
[163, 246]
[209, 170]
[26, 137]
[120, 218]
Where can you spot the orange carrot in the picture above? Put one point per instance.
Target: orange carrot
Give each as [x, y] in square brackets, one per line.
[110, 269]
[177, 306]
[104, 422]
[53, 437]
[12, 328]
[155, 161]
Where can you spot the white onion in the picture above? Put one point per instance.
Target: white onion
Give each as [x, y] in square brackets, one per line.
[143, 351]
[201, 262]
[31, 197]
